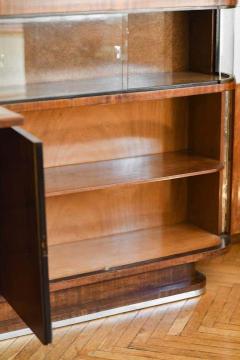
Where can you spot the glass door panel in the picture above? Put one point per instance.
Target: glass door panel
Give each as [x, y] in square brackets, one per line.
[60, 56]
[166, 49]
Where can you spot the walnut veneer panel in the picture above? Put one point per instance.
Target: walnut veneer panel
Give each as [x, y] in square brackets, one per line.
[94, 133]
[130, 248]
[13, 7]
[110, 211]
[9, 118]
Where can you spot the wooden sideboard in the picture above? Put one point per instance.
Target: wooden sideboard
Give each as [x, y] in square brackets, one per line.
[116, 185]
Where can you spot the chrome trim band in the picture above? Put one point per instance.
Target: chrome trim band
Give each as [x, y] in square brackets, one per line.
[226, 189]
[107, 313]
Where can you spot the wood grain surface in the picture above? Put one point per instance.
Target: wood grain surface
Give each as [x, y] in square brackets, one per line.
[9, 118]
[206, 327]
[121, 98]
[117, 210]
[95, 133]
[141, 169]
[130, 248]
[13, 7]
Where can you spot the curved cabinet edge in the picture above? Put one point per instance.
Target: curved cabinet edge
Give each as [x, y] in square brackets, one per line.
[120, 98]
[82, 280]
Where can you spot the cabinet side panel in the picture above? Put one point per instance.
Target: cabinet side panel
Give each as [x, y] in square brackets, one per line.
[206, 125]
[202, 41]
[204, 202]
[207, 137]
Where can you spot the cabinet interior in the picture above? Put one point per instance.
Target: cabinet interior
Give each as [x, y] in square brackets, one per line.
[74, 55]
[130, 183]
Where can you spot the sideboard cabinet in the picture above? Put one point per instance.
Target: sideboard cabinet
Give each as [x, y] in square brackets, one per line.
[117, 181]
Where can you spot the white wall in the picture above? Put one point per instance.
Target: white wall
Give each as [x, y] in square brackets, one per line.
[230, 42]
[237, 45]
[12, 63]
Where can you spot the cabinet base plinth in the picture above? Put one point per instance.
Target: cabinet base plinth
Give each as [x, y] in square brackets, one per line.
[107, 313]
[106, 298]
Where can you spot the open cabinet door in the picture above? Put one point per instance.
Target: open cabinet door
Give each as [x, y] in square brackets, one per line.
[24, 279]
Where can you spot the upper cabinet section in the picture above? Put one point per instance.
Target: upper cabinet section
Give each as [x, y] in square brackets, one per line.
[17, 7]
[64, 56]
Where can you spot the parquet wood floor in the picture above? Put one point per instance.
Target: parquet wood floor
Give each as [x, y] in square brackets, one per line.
[207, 327]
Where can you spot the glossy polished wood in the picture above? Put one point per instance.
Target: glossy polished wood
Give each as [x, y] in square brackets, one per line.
[14, 7]
[235, 210]
[121, 98]
[171, 262]
[24, 261]
[96, 133]
[163, 332]
[117, 292]
[101, 213]
[87, 87]
[142, 169]
[129, 248]
[9, 118]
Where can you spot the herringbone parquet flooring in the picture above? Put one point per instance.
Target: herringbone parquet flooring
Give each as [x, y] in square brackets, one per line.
[202, 328]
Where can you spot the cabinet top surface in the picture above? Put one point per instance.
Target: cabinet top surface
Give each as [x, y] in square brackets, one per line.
[9, 118]
[16, 7]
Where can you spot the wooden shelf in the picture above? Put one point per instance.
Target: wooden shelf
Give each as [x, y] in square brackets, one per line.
[142, 169]
[86, 87]
[105, 253]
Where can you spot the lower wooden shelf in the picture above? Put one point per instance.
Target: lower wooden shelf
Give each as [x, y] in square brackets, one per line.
[140, 246]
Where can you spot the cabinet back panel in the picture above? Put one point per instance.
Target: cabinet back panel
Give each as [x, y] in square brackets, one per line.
[157, 42]
[168, 42]
[112, 211]
[95, 133]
